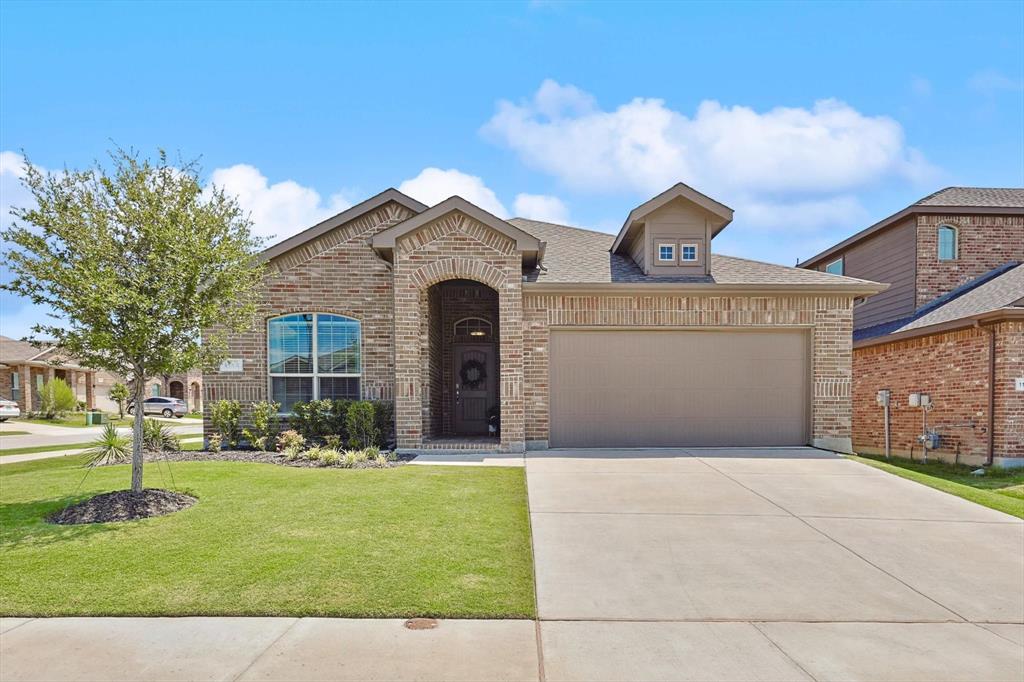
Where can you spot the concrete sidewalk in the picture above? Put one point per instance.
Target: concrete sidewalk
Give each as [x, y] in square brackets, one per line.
[151, 649]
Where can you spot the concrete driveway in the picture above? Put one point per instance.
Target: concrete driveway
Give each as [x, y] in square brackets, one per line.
[767, 564]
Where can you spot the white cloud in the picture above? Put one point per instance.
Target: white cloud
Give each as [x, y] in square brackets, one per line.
[277, 210]
[542, 207]
[803, 215]
[738, 154]
[12, 169]
[990, 81]
[433, 185]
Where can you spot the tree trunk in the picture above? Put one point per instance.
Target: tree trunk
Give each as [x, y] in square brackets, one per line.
[140, 397]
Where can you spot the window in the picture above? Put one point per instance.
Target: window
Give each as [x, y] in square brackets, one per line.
[667, 252]
[313, 356]
[947, 243]
[835, 267]
[476, 327]
[155, 389]
[15, 386]
[688, 253]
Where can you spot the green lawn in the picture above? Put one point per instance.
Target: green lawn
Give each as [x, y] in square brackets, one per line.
[73, 420]
[13, 433]
[1000, 489]
[272, 540]
[196, 444]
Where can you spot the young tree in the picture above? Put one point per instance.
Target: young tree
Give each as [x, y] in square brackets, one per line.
[139, 260]
[119, 394]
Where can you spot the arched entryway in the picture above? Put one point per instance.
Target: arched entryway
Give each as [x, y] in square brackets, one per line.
[197, 397]
[177, 390]
[461, 362]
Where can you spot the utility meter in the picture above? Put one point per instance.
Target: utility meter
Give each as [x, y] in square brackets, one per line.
[882, 397]
[915, 400]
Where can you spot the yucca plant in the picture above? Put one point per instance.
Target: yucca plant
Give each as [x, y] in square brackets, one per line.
[110, 448]
[158, 437]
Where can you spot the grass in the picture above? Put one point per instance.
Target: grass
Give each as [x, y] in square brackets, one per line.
[272, 540]
[73, 420]
[999, 489]
[14, 433]
[33, 449]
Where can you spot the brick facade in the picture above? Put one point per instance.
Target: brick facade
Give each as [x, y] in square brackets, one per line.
[953, 369]
[407, 323]
[984, 242]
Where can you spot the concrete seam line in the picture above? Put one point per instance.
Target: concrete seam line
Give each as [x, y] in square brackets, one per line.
[848, 549]
[541, 675]
[27, 621]
[979, 625]
[782, 651]
[295, 621]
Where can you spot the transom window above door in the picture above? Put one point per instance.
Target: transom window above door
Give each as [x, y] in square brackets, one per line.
[313, 356]
[474, 327]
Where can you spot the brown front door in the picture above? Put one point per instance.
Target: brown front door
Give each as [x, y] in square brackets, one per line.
[476, 387]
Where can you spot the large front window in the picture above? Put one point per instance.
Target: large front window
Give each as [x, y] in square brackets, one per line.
[313, 356]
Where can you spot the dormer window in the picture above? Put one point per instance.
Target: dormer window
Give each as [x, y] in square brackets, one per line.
[688, 253]
[666, 253]
[947, 242]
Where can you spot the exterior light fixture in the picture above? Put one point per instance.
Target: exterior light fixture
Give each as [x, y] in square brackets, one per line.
[478, 332]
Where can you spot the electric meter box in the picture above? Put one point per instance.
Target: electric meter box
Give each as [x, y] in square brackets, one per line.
[882, 397]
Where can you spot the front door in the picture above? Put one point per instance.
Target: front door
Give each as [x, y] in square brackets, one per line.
[476, 387]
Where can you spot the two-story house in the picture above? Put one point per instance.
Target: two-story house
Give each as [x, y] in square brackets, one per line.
[949, 327]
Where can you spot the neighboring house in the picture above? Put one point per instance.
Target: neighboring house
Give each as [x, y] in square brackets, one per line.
[951, 324]
[575, 338]
[188, 387]
[24, 369]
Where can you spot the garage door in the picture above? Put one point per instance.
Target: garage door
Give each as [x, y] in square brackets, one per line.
[679, 388]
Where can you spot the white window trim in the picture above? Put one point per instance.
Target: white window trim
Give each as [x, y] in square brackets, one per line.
[842, 266]
[696, 252]
[314, 375]
[670, 259]
[956, 243]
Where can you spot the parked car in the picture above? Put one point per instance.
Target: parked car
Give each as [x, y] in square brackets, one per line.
[167, 407]
[8, 409]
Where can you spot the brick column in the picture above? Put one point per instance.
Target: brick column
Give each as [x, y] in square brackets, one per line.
[26, 387]
[408, 377]
[90, 391]
[513, 418]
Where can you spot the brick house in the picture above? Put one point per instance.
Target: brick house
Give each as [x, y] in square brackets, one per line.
[493, 334]
[951, 325]
[24, 369]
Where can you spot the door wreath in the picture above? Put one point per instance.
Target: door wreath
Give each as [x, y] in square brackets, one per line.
[472, 374]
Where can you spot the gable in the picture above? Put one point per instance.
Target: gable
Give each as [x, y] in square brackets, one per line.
[453, 227]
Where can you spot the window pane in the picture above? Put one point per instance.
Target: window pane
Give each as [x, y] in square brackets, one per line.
[947, 243]
[835, 267]
[290, 341]
[332, 388]
[290, 390]
[337, 345]
[689, 253]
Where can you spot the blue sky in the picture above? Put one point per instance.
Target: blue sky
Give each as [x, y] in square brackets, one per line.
[811, 120]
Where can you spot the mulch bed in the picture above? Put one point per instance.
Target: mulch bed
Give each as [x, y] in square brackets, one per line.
[262, 458]
[123, 505]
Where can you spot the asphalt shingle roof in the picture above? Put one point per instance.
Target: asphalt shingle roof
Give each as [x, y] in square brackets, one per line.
[996, 197]
[574, 254]
[1000, 288]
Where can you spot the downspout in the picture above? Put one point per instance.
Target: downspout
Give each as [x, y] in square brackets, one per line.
[991, 395]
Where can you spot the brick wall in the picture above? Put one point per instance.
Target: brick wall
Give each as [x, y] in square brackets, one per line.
[985, 242]
[337, 273]
[952, 368]
[830, 316]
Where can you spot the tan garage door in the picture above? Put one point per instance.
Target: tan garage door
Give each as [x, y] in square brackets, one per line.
[679, 388]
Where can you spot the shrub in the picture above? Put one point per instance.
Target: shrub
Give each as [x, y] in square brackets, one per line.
[349, 460]
[329, 457]
[158, 437]
[290, 440]
[333, 441]
[381, 460]
[384, 418]
[312, 419]
[361, 425]
[215, 442]
[109, 448]
[225, 416]
[56, 398]
[264, 425]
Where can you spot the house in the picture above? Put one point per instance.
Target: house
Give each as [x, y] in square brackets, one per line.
[563, 336]
[187, 386]
[950, 325]
[24, 369]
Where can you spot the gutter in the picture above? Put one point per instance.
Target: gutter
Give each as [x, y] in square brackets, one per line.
[857, 289]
